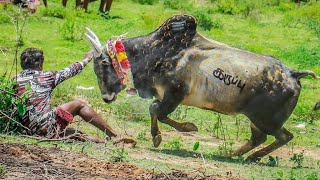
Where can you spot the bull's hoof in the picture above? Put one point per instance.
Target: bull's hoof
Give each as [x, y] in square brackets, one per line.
[188, 127]
[157, 140]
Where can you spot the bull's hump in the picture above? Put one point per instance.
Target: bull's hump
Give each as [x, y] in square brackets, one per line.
[179, 29]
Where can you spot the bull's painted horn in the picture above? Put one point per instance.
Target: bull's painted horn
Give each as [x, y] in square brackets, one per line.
[93, 36]
[96, 47]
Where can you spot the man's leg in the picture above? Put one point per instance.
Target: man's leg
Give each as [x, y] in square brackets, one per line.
[79, 136]
[77, 107]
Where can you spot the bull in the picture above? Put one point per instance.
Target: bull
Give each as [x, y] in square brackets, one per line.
[177, 65]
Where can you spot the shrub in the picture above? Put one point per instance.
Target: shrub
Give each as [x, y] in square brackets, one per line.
[177, 4]
[273, 161]
[227, 7]
[175, 144]
[119, 155]
[298, 159]
[55, 12]
[142, 135]
[11, 107]
[205, 21]
[70, 30]
[150, 2]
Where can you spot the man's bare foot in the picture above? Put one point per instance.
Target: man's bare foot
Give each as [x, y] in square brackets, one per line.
[124, 141]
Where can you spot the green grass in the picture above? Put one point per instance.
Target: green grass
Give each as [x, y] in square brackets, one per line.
[286, 31]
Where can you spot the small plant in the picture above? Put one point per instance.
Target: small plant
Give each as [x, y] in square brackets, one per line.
[292, 175]
[204, 20]
[313, 176]
[273, 161]
[142, 135]
[227, 7]
[60, 13]
[3, 170]
[119, 155]
[175, 144]
[70, 30]
[196, 146]
[177, 4]
[298, 159]
[181, 112]
[279, 175]
[226, 148]
[150, 2]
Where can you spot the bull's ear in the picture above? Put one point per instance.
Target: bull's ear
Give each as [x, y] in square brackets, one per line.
[105, 58]
[95, 45]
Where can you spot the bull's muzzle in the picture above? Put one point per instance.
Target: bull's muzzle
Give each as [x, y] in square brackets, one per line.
[109, 98]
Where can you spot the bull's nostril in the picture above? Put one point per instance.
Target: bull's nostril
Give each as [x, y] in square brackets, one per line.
[108, 98]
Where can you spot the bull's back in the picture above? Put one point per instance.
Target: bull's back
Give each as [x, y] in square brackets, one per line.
[226, 80]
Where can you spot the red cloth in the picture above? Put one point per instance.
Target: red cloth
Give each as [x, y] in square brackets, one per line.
[63, 118]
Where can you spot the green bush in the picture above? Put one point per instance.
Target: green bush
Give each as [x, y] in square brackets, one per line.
[175, 144]
[142, 135]
[298, 159]
[55, 12]
[177, 4]
[205, 21]
[118, 155]
[228, 7]
[11, 107]
[70, 29]
[150, 2]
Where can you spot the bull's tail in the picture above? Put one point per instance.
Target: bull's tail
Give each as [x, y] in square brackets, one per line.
[300, 74]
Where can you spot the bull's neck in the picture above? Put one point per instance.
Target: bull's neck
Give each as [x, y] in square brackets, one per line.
[133, 47]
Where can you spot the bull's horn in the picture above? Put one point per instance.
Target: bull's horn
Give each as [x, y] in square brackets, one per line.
[96, 47]
[93, 36]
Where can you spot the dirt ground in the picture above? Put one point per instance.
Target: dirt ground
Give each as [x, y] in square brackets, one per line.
[34, 162]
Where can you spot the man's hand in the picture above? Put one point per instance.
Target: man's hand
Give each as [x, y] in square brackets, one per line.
[88, 57]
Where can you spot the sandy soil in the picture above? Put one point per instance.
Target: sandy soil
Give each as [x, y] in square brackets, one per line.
[34, 162]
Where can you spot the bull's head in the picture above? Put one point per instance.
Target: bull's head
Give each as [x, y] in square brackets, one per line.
[109, 82]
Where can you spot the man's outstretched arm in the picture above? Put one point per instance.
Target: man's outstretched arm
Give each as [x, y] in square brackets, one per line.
[73, 69]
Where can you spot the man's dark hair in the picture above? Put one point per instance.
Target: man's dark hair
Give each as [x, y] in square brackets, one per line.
[31, 58]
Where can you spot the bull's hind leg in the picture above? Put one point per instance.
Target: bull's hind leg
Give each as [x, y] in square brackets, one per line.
[282, 136]
[257, 138]
[159, 111]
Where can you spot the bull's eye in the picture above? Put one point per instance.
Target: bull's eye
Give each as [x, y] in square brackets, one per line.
[105, 62]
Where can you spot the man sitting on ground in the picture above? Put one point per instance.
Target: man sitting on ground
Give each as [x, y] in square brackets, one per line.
[40, 119]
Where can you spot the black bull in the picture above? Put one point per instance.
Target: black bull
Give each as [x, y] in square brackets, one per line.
[177, 65]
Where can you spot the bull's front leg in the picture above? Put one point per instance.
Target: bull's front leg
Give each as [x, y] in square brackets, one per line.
[155, 132]
[160, 111]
